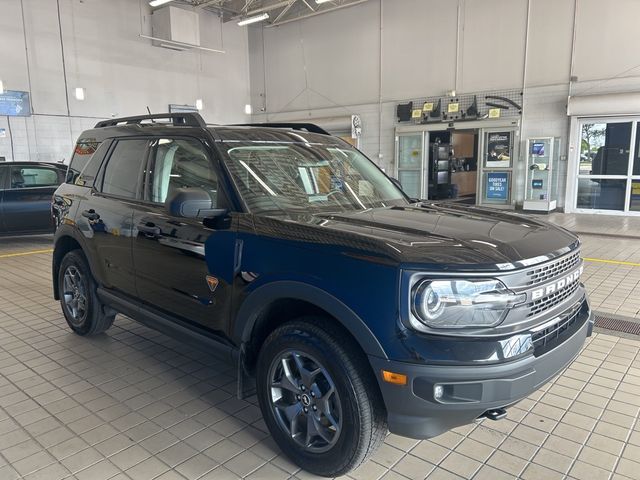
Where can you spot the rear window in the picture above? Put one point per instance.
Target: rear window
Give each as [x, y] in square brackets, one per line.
[85, 148]
[29, 177]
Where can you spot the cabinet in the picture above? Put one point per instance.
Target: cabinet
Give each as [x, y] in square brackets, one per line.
[542, 174]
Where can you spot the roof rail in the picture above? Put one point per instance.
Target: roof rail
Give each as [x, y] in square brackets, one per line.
[309, 127]
[184, 119]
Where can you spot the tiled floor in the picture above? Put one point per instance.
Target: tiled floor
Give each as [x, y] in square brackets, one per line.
[600, 224]
[134, 404]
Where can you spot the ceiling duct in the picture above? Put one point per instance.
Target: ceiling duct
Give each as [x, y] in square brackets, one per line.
[175, 28]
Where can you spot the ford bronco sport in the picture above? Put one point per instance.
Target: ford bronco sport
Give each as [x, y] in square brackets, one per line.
[350, 309]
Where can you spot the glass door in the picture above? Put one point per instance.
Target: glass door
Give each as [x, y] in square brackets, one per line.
[608, 177]
[495, 181]
[410, 154]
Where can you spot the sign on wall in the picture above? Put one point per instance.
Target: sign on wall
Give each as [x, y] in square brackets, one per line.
[497, 185]
[15, 104]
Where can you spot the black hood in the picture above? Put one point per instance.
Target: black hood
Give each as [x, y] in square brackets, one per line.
[440, 236]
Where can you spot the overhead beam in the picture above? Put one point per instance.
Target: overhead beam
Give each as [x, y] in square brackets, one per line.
[317, 12]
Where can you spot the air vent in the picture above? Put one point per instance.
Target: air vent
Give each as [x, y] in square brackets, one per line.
[175, 28]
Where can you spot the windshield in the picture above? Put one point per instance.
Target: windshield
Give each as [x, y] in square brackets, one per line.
[278, 178]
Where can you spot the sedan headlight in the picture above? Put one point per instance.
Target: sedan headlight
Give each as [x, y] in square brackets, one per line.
[462, 303]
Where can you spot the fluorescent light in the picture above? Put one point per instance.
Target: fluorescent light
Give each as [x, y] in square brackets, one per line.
[1, 87]
[79, 93]
[255, 19]
[247, 109]
[157, 3]
[322, 1]
[199, 104]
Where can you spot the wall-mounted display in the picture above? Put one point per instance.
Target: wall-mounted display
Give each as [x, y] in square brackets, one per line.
[542, 178]
[499, 150]
[15, 104]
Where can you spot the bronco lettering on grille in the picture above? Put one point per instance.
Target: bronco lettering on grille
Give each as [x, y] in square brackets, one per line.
[556, 286]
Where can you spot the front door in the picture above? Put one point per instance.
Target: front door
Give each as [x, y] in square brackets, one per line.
[169, 250]
[498, 149]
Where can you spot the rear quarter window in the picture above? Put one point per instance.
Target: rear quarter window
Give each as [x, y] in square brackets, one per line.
[83, 152]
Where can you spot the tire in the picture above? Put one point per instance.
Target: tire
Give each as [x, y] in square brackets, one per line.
[355, 425]
[83, 310]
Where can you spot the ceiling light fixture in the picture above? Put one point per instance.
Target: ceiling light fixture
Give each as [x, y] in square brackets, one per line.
[322, 1]
[199, 104]
[79, 93]
[157, 3]
[257, 18]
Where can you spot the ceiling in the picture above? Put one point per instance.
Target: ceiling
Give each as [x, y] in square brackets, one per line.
[280, 11]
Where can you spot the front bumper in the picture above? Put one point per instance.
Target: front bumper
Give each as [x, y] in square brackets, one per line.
[469, 391]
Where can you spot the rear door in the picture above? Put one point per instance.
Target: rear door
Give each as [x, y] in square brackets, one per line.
[27, 200]
[105, 216]
[169, 251]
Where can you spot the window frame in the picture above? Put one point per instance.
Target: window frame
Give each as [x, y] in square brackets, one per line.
[99, 180]
[4, 177]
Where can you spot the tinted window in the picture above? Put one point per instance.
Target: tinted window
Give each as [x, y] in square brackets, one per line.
[29, 177]
[3, 174]
[123, 168]
[179, 163]
[85, 148]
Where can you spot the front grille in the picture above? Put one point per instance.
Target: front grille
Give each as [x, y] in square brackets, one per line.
[552, 269]
[551, 300]
[552, 335]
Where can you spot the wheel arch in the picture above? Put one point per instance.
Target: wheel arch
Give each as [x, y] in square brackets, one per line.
[273, 304]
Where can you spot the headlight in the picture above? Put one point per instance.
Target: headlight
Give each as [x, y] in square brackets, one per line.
[462, 303]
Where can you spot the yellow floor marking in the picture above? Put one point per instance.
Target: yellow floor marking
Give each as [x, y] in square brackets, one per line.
[20, 254]
[613, 262]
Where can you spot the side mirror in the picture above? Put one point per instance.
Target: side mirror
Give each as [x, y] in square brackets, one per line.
[190, 203]
[217, 219]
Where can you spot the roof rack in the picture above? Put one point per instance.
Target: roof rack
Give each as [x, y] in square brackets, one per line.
[309, 127]
[185, 119]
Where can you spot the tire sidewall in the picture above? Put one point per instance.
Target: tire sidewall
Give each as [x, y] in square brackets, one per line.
[341, 454]
[77, 260]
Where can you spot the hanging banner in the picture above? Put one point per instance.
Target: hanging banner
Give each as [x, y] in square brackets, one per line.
[15, 104]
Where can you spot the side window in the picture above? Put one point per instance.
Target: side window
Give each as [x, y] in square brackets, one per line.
[3, 176]
[122, 172]
[178, 164]
[85, 148]
[25, 177]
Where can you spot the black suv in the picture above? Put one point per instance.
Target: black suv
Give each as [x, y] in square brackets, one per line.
[283, 249]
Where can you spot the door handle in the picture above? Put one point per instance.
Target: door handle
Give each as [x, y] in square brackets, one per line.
[90, 214]
[149, 229]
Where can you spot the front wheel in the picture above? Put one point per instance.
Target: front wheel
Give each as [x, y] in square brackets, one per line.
[319, 398]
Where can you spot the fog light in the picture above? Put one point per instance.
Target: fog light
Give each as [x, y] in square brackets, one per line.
[438, 392]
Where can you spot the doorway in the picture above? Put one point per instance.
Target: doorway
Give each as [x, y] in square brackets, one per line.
[606, 166]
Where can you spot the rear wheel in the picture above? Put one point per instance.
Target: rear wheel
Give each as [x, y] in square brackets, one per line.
[83, 310]
[319, 398]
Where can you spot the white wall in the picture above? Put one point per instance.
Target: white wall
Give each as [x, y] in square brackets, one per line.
[121, 73]
[367, 58]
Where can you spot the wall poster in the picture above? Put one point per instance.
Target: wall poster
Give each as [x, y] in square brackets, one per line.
[499, 150]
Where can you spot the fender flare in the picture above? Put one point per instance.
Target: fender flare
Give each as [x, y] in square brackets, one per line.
[263, 296]
[70, 232]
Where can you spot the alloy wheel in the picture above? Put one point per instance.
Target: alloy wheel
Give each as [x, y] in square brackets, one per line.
[305, 401]
[74, 294]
